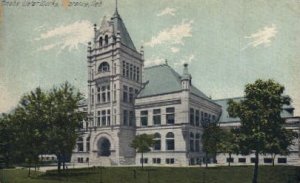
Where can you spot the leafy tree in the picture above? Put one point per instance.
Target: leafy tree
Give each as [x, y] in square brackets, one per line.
[260, 117]
[229, 143]
[279, 143]
[142, 144]
[64, 119]
[7, 140]
[211, 138]
[29, 119]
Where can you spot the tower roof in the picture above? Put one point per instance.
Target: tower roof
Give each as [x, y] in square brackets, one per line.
[162, 79]
[119, 27]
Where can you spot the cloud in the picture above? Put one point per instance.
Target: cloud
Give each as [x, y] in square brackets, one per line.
[173, 35]
[262, 37]
[67, 36]
[154, 61]
[167, 11]
[187, 60]
[175, 49]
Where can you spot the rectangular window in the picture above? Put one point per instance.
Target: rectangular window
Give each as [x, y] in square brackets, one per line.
[231, 160]
[197, 118]
[131, 118]
[134, 73]
[115, 116]
[202, 116]
[192, 116]
[98, 95]
[127, 70]
[156, 117]
[103, 118]
[125, 93]
[192, 161]
[145, 160]
[156, 160]
[108, 93]
[170, 144]
[157, 144]
[267, 160]
[92, 96]
[108, 118]
[115, 93]
[213, 118]
[131, 95]
[103, 95]
[125, 117]
[80, 147]
[124, 68]
[99, 118]
[144, 118]
[131, 72]
[192, 149]
[197, 144]
[170, 161]
[281, 160]
[170, 116]
[242, 160]
[138, 74]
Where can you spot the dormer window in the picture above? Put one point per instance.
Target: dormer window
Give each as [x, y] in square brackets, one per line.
[106, 40]
[103, 67]
[101, 41]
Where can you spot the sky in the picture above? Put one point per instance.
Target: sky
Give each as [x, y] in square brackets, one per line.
[227, 43]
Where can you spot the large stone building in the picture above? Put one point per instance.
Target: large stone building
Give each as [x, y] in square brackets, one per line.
[125, 99]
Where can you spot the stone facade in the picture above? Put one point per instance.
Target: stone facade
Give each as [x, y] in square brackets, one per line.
[125, 99]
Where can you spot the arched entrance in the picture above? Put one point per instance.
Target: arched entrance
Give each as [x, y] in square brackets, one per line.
[103, 147]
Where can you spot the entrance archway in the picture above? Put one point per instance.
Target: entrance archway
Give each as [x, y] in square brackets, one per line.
[103, 147]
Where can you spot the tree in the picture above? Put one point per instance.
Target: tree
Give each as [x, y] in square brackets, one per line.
[259, 113]
[64, 120]
[229, 143]
[7, 140]
[28, 118]
[279, 143]
[142, 143]
[211, 139]
[44, 122]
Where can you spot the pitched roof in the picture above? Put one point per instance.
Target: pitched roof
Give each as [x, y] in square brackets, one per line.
[162, 79]
[225, 118]
[119, 26]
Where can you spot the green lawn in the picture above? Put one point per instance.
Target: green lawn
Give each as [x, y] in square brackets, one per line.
[267, 174]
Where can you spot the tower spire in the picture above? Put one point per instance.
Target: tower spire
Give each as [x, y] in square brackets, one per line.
[116, 14]
[116, 6]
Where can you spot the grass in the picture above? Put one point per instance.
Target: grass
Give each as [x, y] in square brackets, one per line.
[267, 174]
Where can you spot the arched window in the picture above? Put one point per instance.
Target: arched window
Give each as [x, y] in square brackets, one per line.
[80, 144]
[101, 41]
[192, 144]
[103, 67]
[88, 144]
[197, 143]
[106, 39]
[157, 142]
[170, 143]
[104, 147]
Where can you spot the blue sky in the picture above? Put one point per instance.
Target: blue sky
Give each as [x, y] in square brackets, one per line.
[226, 43]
